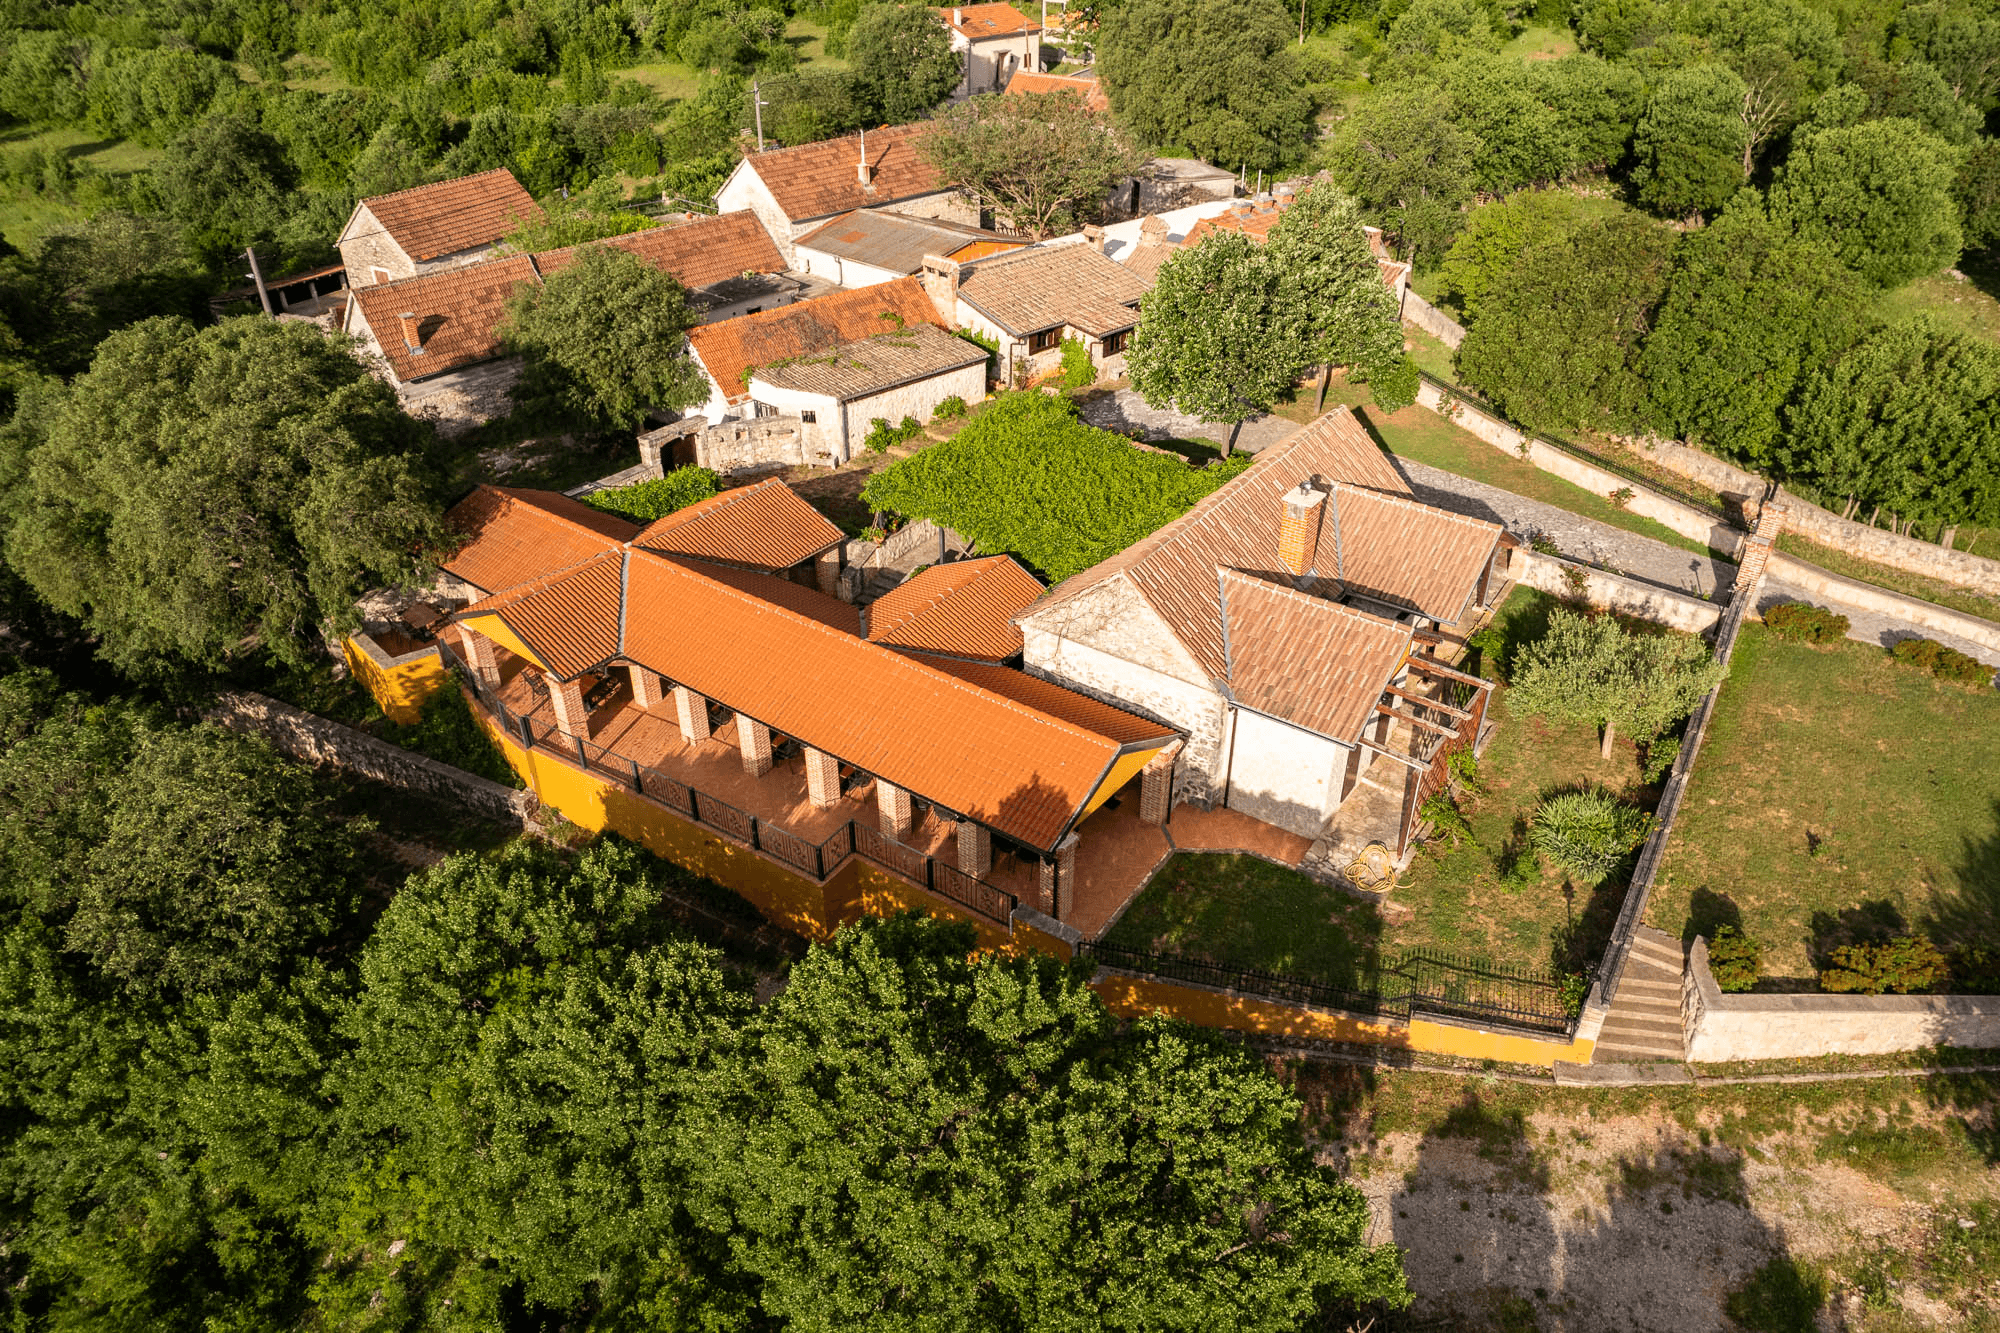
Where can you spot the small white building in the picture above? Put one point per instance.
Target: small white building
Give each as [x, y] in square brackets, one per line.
[1029, 300]
[994, 43]
[432, 227]
[866, 247]
[892, 375]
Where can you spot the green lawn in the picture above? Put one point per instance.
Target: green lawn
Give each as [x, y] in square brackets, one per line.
[669, 80]
[24, 213]
[1539, 43]
[1838, 790]
[1959, 304]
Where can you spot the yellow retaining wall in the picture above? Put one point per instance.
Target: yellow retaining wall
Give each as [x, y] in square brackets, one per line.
[860, 888]
[400, 687]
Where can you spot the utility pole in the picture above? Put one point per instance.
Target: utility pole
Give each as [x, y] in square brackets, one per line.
[1302, 22]
[257, 275]
[757, 105]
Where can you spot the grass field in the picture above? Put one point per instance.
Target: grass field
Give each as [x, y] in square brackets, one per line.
[1537, 42]
[24, 213]
[1959, 303]
[1838, 792]
[1896, 580]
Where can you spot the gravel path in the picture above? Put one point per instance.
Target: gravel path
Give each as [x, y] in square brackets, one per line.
[1870, 626]
[1577, 537]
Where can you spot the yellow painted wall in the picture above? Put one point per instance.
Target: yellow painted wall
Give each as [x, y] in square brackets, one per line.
[494, 628]
[1122, 772]
[401, 690]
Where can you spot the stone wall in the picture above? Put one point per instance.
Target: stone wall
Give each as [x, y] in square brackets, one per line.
[1418, 311]
[1723, 1027]
[319, 741]
[1615, 592]
[1849, 593]
[751, 445]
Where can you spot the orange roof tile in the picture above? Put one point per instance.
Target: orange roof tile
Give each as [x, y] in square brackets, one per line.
[979, 22]
[570, 618]
[458, 315]
[1048, 697]
[1235, 527]
[520, 535]
[963, 609]
[764, 526]
[1406, 553]
[817, 180]
[699, 253]
[1307, 660]
[454, 215]
[730, 349]
[1092, 91]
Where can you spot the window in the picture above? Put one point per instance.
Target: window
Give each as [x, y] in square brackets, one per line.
[762, 409]
[1043, 341]
[379, 275]
[808, 416]
[1114, 343]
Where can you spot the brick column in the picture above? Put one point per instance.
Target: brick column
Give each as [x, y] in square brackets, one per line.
[826, 570]
[566, 698]
[975, 848]
[894, 805]
[1156, 786]
[647, 687]
[754, 738]
[693, 712]
[1058, 880]
[822, 778]
[479, 655]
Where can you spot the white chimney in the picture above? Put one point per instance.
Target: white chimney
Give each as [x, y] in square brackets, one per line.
[1093, 236]
[957, 18]
[862, 171]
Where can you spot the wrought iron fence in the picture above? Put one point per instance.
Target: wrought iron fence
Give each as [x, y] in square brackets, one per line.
[1421, 981]
[968, 891]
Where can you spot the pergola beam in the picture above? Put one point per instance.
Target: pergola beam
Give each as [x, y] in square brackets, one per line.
[1438, 704]
[1416, 721]
[1434, 668]
[1386, 753]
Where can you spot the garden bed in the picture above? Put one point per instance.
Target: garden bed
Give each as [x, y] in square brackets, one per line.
[1840, 795]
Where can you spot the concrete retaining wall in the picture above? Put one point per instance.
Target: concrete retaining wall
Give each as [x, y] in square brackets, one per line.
[1615, 592]
[1840, 592]
[319, 741]
[1418, 311]
[1771, 1027]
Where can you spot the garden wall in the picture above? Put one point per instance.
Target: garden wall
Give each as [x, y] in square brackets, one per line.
[1418, 311]
[1723, 1027]
[318, 740]
[400, 684]
[1849, 593]
[1615, 592]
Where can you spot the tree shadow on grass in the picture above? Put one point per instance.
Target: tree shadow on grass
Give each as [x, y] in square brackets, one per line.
[1708, 912]
[1866, 923]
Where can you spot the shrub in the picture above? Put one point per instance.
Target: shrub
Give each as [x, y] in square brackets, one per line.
[1491, 645]
[1942, 662]
[1586, 833]
[1541, 542]
[1078, 373]
[1441, 812]
[448, 733]
[644, 501]
[1661, 752]
[992, 346]
[1907, 963]
[1802, 622]
[1975, 971]
[951, 409]
[882, 436]
[1735, 959]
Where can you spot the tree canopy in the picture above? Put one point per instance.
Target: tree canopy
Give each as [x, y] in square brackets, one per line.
[903, 61]
[1043, 161]
[1691, 144]
[604, 337]
[1347, 314]
[199, 495]
[1588, 668]
[1401, 154]
[1213, 78]
[1878, 194]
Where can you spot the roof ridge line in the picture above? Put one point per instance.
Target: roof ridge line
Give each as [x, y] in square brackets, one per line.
[493, 603]
[455, 180]
[934, 602]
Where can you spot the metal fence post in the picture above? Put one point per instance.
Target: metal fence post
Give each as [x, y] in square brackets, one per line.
[637, 785]
[581, 757]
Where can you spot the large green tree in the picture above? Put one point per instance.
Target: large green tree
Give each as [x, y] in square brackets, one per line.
[1878, 194]
[1041, 160]
[1588, 668]
[925, 1141]
[1215, 78]
[1497, 234]
[1691, 144]
[1346, 314]
[1908, 419]
[1750, 311]
[604, 338]
[1401, 154]
[1558, 338]
[1218, 336]
[903, 62]
[202, 495]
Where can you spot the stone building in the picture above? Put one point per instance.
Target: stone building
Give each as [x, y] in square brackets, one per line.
[793, 190]
[865, 247]
[888, 376]
[1284, 625]
[432, 227]
[1030, 300]
[994, 41]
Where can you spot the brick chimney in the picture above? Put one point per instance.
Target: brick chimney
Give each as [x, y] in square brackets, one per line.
[862, 171]
[413, 337]
[940, 279]
[1154, 228]
[1298, 527]
[1093, 236]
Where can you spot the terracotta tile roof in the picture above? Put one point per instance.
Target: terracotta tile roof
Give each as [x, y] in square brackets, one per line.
[1406, 553]
[796, 597]
[963, 609]
[1046, 285]
[729, 349]
[699, 253]
[875, 364]
[570, 618]
[458, 315]
[520, 535]
[1314, 663]
[1256, 220]
[894, 242]
[1047, 697]
[1236, 527]
[1092, 91]
[816, 180]
[453, 215]
[763, 526]
[978, 22]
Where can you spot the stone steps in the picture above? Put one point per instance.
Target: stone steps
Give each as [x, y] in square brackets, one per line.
[1644, 1024]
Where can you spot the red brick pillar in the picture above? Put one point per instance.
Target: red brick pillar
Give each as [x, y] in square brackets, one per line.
[1065, 888]
[754, 738]
[693, 712]
[479, 655]
[975, 848]
[893, 803]
[566, 699]
[647, 687]
[1156, 786]
[822, 778]
[826, 570]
